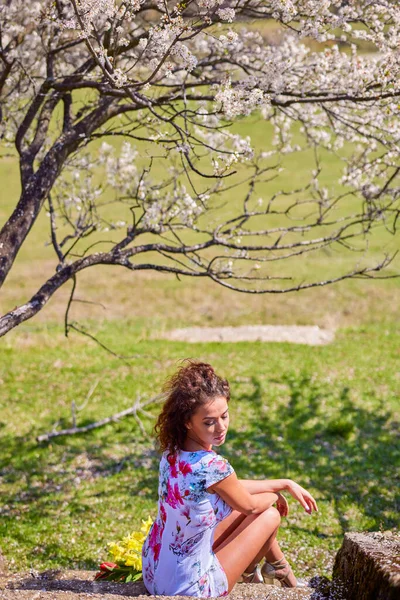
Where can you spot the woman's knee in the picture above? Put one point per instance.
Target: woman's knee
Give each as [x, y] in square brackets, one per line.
[272, 516]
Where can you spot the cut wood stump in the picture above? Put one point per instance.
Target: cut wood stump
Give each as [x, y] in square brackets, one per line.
[368, 566]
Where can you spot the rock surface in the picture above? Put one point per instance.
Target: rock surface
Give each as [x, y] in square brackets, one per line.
[57, 584]
[368, 566]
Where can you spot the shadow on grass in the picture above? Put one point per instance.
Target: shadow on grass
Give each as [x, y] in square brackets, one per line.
[346, 453]
[45, 487]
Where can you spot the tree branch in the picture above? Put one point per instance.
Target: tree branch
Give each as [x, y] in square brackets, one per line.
[133, 411]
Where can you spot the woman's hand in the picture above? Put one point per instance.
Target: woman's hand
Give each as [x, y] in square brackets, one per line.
[302, 496]
[282, 505]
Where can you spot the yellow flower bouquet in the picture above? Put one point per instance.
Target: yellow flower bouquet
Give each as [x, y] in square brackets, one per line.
[127, 555]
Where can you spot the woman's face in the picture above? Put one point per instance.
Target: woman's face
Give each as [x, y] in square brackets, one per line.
[209, 424]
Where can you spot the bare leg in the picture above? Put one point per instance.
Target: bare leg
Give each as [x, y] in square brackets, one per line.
[226, 527]
[231, 523]
[253, 537]
[271, 552]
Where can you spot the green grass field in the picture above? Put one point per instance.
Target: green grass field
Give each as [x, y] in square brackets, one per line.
[325, 416]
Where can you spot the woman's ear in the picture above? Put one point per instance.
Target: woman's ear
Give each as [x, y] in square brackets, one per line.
[188, 425]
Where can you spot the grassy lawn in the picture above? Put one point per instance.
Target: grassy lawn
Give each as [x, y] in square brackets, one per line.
[325, 416]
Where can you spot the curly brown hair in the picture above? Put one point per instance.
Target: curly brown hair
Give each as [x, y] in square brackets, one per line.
[194, 383]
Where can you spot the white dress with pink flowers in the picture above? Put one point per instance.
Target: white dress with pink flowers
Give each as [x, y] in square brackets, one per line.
[177, 555]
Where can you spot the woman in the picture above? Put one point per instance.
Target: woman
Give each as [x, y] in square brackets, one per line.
[212, 528]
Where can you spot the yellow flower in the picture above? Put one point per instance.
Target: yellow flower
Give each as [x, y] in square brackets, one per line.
[134, 560]
[116, 550]
[146, 524]
[129, 550]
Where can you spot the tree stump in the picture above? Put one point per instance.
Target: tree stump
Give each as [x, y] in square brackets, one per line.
[368, 566]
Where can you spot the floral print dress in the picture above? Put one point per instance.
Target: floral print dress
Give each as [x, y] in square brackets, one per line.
[177, 555]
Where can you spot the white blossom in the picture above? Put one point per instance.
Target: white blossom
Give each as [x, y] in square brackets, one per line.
[226, 14]
[177, 80]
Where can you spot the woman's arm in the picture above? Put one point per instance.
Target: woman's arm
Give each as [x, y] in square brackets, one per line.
[248, 497]
[257, 486]
[239, 498]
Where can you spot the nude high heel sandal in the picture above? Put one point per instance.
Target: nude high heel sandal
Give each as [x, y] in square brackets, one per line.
[253, 577]
[279, 572]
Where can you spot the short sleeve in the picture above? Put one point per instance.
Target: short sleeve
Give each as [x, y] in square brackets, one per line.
[218, 468]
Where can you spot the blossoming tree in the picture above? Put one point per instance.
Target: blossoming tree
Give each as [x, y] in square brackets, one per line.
[166, 79]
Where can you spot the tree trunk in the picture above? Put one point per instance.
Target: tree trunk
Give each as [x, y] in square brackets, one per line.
[35, 191]
[37, 186]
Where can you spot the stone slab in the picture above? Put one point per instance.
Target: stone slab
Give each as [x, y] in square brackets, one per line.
[57, 584]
